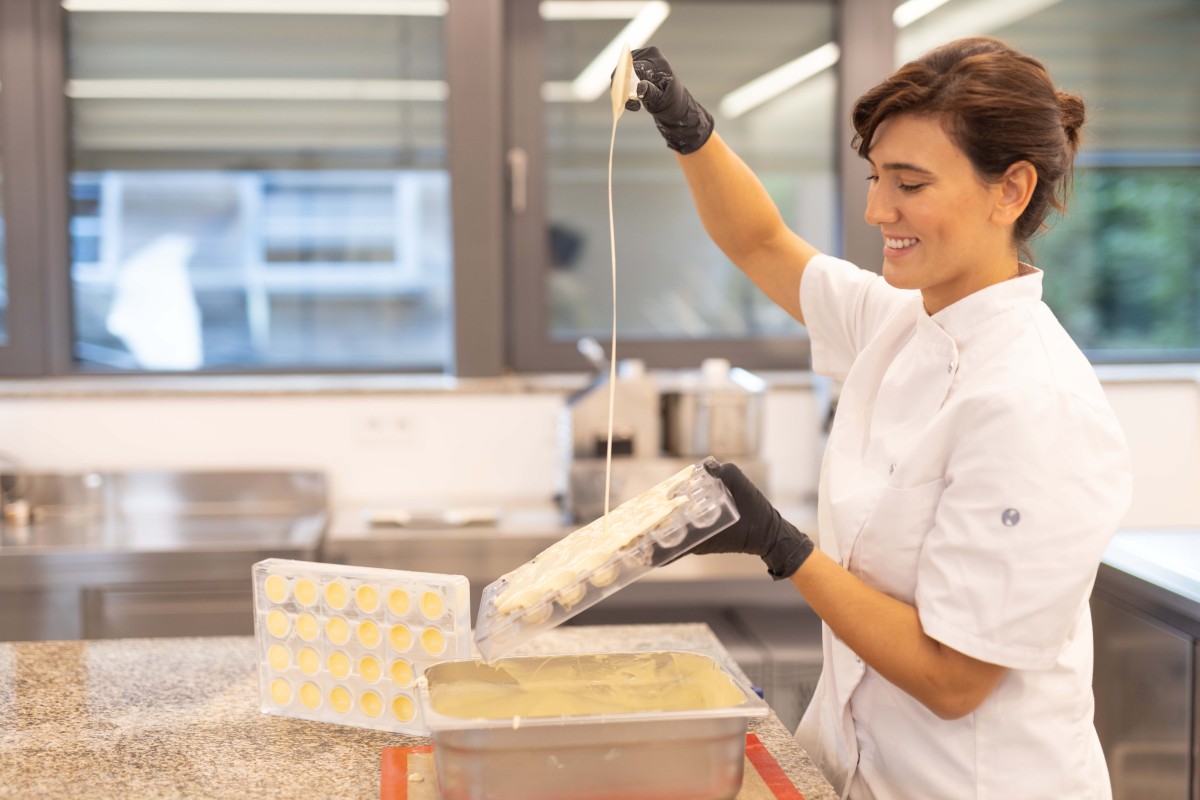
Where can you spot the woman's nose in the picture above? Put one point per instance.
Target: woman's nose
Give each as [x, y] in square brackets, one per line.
[880, 210]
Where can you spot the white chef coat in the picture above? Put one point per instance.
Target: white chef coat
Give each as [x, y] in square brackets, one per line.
[976, 471]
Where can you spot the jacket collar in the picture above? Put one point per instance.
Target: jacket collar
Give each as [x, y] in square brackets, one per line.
[958, 319]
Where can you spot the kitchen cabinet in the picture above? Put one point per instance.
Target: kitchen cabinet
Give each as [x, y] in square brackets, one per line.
[1144, 678]
[1146, 620]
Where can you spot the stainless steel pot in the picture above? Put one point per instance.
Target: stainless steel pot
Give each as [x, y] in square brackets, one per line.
[717, 412]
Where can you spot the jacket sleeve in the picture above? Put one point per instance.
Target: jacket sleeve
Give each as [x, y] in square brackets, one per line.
[844, 306]
[1036, 485]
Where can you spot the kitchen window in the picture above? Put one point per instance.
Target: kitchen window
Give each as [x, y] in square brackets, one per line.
[1122, 269]
[416, 186]
[261, 188]
[680, 299]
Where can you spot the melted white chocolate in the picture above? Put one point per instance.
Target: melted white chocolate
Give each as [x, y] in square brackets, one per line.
[558, 686]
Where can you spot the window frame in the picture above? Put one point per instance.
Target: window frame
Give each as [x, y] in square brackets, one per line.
[498, 324]
[532, 350]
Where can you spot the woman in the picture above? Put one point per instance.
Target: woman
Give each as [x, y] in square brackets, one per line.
[974, 473]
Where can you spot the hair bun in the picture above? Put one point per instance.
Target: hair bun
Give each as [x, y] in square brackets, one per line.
[1073, 117]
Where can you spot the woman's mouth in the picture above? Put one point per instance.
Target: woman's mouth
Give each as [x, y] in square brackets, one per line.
[895, 247]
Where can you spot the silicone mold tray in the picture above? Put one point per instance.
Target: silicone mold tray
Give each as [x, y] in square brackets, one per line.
[601, 558]
[347, 644]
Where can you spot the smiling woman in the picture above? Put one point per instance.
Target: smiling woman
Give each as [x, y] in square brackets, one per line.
[974, 473]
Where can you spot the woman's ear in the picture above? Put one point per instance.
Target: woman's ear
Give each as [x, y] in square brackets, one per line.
[1015, 189]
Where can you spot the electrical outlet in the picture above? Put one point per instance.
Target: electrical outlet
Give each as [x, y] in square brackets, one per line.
[387, 429]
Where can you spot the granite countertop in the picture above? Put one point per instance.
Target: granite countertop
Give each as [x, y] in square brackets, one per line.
[150, 718]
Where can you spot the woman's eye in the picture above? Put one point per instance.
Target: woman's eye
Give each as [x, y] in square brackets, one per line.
[872, 178]
[911, 187]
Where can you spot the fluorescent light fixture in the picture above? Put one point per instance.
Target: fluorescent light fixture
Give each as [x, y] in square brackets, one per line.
[300, 89]
[908, 13]
[558, 10]
[774, 83]
[964, 18]
[383, 8]
[594, 80]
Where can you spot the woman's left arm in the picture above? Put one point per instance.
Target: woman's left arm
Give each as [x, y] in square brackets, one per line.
[883, 631]
[887, 634]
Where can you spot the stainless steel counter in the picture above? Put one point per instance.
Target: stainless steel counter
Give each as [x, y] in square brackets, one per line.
[150, 553]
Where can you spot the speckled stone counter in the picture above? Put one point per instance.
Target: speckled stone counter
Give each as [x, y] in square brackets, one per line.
[150, 718]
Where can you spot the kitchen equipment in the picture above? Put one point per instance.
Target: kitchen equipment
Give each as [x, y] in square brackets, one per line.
[661, 424]
[347, 644]
[584, 567]
[666, 724]
[717, 412]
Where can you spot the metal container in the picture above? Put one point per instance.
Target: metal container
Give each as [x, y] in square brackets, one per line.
[676, 727]
[717, 412]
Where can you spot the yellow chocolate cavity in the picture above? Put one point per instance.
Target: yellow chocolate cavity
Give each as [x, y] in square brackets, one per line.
[335, 595]
[368, 633]
[340, 699]
[307, 627]
[276, 588]
[278, 657]
[402, 672]
[366, 598]
[277, 624]
[339, 665]
[400, 637]
[370, 669]
[402, 708]
[433, 641]
[372, 704]
[310, 695]
[281, 692]
[337, 630]
[398, 602]
[309, 661]
[306, 592]
[432, 605]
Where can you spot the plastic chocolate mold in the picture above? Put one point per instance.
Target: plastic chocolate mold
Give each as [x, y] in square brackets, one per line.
[601, 558]
[347, 644]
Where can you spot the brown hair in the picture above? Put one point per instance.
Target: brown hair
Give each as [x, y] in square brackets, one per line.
[999, 107]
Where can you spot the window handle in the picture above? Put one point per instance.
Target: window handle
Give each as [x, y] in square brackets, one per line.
[518, 168]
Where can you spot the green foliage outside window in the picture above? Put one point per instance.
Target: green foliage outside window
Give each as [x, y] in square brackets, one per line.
[1122, 269]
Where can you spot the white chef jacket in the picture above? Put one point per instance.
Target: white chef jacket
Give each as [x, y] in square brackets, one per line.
[976, 471]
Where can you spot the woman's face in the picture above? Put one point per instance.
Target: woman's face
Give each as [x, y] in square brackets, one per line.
[936, 214]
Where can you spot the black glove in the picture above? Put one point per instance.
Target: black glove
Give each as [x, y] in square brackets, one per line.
[760, 531]
[680, 119]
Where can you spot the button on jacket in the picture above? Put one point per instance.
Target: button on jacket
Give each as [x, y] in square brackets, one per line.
[975, 471]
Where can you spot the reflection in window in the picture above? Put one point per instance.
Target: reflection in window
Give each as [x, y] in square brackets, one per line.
[673, 282]
[258, 190]
[1122, 269]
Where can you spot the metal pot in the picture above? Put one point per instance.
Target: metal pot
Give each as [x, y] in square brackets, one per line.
[717, 412]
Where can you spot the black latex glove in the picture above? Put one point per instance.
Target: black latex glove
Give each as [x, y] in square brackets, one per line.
[760, 530]
[680, 119]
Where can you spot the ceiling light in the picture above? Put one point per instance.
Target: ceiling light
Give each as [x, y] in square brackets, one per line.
[964, 18]
[385, 8]
[908, 13]
[266, 89]
[558, 10]
[595, 78]
[774, 83]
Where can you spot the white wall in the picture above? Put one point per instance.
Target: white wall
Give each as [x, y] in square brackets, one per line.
[496, 447]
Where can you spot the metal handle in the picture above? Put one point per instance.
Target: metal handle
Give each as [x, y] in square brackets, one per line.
[518, 167]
